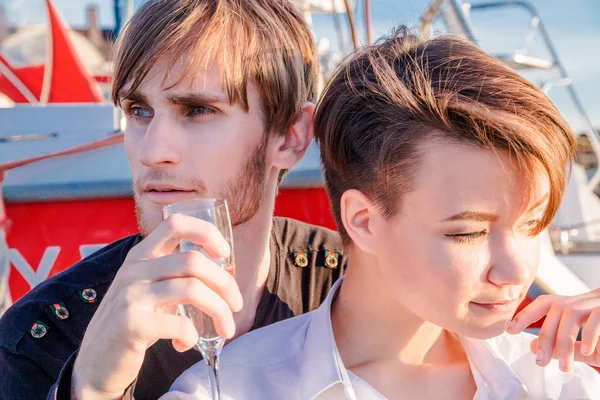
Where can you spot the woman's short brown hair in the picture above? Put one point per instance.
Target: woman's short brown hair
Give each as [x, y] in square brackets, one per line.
[384, 101]
[263, 41]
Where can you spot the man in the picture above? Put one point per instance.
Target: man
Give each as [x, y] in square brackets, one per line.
[219, 103]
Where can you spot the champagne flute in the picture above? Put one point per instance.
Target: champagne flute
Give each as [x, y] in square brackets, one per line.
[209, 343]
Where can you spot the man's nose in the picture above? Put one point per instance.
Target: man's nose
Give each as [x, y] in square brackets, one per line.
[160, 145]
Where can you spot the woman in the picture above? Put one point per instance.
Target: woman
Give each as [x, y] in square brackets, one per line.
[443, 166]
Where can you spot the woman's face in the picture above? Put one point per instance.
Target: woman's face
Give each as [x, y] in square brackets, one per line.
[458, 252]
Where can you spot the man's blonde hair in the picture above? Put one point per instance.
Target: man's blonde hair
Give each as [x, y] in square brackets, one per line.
[263, 41]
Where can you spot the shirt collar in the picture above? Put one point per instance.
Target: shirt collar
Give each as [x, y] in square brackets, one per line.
[494, 377]
[322, 366]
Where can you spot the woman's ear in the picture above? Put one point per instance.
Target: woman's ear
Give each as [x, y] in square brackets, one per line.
[358, 214]
[292, 146]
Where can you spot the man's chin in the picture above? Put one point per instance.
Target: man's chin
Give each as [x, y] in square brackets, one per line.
[146, 228]
[147, 220]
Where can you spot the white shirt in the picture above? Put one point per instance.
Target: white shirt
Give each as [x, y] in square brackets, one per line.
[298, 359]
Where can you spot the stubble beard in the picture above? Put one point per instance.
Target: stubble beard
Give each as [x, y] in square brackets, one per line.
[244, 193]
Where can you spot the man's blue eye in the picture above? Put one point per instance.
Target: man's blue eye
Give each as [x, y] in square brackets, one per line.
[139, 112]
[198, 111]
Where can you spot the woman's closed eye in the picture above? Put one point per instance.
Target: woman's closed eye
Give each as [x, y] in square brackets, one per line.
[471, 237]
[468, 237]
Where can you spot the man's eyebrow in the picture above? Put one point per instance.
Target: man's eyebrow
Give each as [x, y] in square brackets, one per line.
[192, 99]
[135, 96]
[473, 215]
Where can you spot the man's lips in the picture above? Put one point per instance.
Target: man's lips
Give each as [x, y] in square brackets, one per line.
[168, 194]
[170, 197]
[163, 187]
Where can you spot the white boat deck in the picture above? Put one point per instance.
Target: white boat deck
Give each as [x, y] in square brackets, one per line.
[37, 130]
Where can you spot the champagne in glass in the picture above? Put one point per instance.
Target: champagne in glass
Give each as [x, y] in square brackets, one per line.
[209, 342]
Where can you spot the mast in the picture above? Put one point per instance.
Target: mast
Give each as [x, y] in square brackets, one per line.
[368, 22]
[117, 12]
[350, 14]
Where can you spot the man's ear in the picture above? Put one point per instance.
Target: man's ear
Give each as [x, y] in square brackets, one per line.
[290, 148]
[358, 215]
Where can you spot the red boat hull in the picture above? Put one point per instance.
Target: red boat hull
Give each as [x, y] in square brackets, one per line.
[46, 238]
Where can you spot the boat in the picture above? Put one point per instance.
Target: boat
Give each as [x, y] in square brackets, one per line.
[67, 183]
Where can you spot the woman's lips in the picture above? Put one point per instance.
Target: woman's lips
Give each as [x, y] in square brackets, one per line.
[508, 306]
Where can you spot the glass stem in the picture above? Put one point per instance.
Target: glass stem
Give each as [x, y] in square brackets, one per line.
[211, 349]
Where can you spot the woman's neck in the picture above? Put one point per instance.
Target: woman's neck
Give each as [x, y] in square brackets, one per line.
[377, 337]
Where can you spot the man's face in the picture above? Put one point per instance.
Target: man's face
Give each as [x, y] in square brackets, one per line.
[189, 141]
[458, 253]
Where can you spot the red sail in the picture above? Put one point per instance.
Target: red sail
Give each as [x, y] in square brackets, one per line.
[14, 81]
[66, 80]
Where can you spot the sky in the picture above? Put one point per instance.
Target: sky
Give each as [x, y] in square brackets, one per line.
[574, 27]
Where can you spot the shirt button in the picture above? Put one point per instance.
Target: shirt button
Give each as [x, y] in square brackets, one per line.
[300, 259]
[88, 295]
[59, 310]
[38, 330]
[331, 259]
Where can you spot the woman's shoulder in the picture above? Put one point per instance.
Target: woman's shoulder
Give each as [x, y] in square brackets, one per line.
[269, 345]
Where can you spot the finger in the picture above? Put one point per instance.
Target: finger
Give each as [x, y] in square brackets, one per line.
[568, 328]
[593, 359]
[181, 346]
[533, 345]
[547, 336]
[192, 264]
[149, 327]
[194, 292]
[167, 309]
[590, 333]
[169, 233]
[533, 312]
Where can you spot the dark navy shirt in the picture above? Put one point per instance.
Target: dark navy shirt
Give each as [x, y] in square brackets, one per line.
[41, 333]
